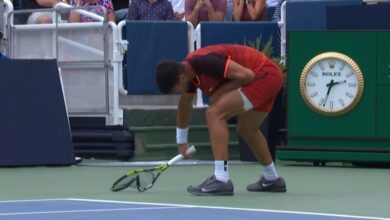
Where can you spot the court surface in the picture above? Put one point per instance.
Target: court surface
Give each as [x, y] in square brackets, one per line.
[72, 209]
[336, 191]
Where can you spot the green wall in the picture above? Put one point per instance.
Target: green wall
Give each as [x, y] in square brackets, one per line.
[364, 129]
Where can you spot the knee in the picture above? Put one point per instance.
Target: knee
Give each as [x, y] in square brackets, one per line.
[43, 20]
[212, 114]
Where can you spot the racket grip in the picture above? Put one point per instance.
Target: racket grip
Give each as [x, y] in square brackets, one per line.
[191, 150]
[178, 157]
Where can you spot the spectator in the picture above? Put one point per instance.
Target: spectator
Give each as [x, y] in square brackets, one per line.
[2, 57]
[205, 10]
[120, 4]
[278, 13]
[249, 10]
[271, 3]
[40, 17]
[153, 10]
[121, 8]
[178, 9]
[107, 4]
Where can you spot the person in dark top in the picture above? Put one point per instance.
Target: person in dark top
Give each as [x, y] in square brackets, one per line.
[150, 10]
[239, 81]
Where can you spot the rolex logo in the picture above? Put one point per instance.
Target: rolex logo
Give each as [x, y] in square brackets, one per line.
[332, 64]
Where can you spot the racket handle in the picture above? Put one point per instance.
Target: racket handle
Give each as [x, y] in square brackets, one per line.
[178, 157]
[191, 150]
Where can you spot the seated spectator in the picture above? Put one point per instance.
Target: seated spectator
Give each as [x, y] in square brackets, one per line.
[121, 7]
[249, 10]
[178, 9]
[152, 10]
[205, 10]
[277, 13]
[107, 4]
[2, 57]
[271, 3]
[40, 17]
[120, 4]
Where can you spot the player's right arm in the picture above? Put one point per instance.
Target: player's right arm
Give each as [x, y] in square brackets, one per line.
[183, 118]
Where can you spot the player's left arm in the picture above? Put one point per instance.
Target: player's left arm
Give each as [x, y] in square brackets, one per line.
[238, 76]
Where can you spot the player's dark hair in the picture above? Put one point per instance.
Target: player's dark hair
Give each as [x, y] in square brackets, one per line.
[167, 75]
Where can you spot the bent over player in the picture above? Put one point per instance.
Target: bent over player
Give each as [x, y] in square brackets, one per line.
[239, 80]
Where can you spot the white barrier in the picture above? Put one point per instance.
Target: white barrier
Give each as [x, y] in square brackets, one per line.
[89, 55]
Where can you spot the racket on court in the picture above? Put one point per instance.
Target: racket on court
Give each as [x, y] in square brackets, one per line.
[144, 179]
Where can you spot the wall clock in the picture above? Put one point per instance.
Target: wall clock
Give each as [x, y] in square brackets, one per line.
[331, 84]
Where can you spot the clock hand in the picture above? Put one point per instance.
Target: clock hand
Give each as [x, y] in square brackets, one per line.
[329, 85]
[340, 82]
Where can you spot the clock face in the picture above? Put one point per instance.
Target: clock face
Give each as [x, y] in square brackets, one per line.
[331, 84]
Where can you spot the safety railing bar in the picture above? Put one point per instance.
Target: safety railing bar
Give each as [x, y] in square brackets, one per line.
[283, 32]
[191, 36]
[8, 9]
[199, 103]
[81, 11]
[60, 26]
[121, 45]
[117, 71]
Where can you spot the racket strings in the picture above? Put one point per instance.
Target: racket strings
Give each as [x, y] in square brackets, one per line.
[145, 180]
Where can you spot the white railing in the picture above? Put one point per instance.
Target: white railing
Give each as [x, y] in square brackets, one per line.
[90, 70]
[81, 11]
[121, 50]
[8, 8]
[282, 27]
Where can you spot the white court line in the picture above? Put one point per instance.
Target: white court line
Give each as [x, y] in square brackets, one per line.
[231, 208]
[184, 206]
[33, 200]
[84, 210]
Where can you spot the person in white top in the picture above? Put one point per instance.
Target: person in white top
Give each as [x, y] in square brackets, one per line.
[178, 9]
[272, 3]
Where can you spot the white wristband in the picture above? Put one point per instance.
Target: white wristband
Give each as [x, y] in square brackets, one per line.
[182, 135]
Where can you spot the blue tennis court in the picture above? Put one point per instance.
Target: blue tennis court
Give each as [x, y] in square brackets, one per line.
[72, 209]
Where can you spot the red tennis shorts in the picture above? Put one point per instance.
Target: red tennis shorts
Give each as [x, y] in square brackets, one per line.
[263, 90]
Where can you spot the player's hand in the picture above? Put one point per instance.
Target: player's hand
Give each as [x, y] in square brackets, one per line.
[182, 148]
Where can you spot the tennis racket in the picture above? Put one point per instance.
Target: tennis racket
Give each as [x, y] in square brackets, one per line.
[144, 179]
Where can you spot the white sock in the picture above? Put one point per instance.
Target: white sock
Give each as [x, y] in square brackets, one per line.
[270, 172]
[221, 170]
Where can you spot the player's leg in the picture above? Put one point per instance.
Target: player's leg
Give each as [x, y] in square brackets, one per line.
[248, 128]
[261, 94]
[227, 106]
[217, 115]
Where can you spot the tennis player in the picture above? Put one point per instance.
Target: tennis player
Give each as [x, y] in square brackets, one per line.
[239, 80]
